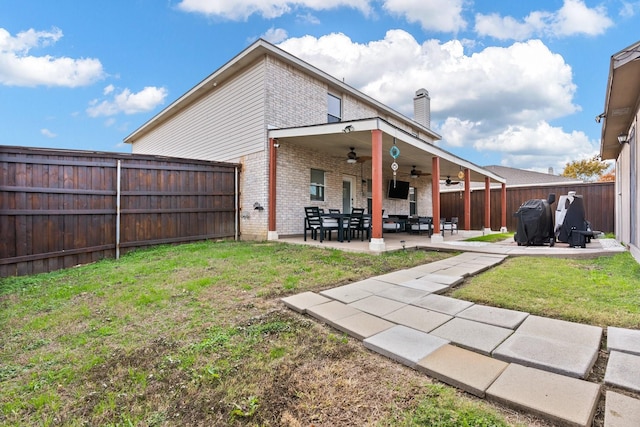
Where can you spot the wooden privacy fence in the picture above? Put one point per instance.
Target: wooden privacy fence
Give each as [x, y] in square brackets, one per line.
[62, 208]
[599, 201]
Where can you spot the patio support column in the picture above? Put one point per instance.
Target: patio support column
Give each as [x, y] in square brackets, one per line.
[467, 199]
[487, 205]
[503, 208]
[272, 234]
[377, 241]
[435, 197]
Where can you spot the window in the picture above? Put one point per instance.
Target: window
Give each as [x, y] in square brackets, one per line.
[316, 189]
[334, 109]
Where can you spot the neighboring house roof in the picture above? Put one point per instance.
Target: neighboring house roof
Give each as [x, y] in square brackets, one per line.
[252, 53]
[621, 100]
[521, 177]
[515, 178]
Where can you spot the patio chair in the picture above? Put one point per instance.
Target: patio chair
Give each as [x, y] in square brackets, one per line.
[315, 223]
[421, 224]
[454, 224]
[359, 224]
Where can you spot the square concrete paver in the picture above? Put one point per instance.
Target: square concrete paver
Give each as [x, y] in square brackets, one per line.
[472, 335]
[301, 302]
[404, 345]
[372, 285]
[418, 318]
[403, 294]
[548, 354]
[621, 410]
[562, 330]
[442, 304]
[567, 401]
[377, 305]
[554, 345]
[445, 279]
[625, 340]
[425, 285]
[494, 316]
[467, 370]
[347, 293]
[398, 277]
[362, 325]
[332, 311]
[623, 370]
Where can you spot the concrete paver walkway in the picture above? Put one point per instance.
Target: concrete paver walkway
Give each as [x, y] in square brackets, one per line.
[527, 362]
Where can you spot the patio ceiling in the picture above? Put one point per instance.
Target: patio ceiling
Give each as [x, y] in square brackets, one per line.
[332, 139]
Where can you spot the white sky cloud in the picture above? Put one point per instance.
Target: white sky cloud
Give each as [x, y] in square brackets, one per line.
[240, 10]
[275, 35]
[46, 132]
[18, 68]
[573, 18]
[128, 103]
[478, 100]
[435, 15]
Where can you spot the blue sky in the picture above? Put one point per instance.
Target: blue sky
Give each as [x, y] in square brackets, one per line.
[515, 83]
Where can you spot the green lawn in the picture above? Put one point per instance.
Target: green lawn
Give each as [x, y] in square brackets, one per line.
[196, 335]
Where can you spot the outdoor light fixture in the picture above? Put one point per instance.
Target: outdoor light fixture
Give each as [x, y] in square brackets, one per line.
[348, 129]
[277, 145]
[622, 138]
[256, 206]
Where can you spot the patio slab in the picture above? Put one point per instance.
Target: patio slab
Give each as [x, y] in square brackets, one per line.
[301, 302]
[467, 370]
[564, 400]
[347, 293]
[494, 316]
[475, 336]
[362, 325]
[418, 318]
[621, 410]
[623, 370]
[625, 340]
[331, 311]
[425, 285]
[377, 305]
[442, 304]
[403, 344]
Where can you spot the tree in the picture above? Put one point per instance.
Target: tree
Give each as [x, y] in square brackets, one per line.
[608, 176]
[585, 169]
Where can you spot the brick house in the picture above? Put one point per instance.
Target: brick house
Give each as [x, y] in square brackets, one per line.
[305, 138]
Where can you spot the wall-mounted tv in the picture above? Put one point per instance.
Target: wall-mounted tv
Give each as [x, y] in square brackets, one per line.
[398, 191]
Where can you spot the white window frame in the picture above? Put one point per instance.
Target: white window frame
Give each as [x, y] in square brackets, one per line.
[319, 194]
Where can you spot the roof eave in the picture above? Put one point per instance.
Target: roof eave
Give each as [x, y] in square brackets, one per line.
[621, 100]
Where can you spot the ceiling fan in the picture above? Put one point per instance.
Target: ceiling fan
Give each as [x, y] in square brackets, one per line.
[352, 157]
[448, 181]
[415, 173]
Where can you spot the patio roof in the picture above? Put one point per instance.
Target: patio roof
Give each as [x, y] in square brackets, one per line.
[332, 139]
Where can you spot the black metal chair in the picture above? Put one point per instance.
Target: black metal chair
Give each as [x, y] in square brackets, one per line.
[359, 224]
[315, 223]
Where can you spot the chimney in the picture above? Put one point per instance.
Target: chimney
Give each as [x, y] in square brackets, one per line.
[422, 108]
[550, 171]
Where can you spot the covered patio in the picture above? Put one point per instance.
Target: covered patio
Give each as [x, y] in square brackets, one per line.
[383, 145]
